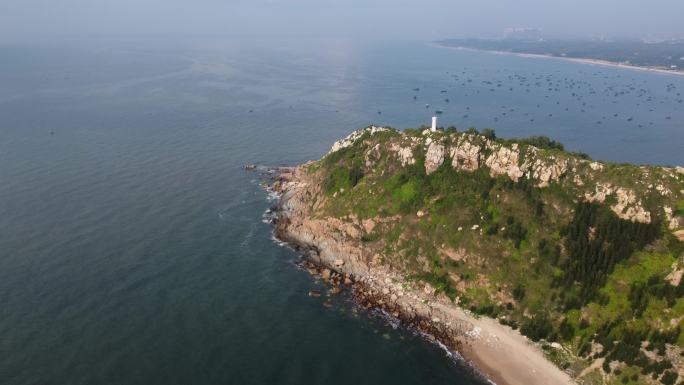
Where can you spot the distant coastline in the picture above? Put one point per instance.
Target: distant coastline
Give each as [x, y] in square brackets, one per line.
[599, 62]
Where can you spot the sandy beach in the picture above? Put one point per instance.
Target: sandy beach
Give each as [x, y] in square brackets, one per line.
[509, 358]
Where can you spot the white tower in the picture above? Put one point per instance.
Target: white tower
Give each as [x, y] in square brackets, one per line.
[434, 124]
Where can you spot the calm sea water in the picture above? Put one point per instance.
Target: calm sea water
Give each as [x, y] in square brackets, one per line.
[132, 244]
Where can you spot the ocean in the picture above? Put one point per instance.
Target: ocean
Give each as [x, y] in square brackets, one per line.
[133, 244]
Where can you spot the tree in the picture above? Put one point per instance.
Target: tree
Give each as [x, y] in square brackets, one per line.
[519, 292]
[566, 330]
[489, 133]
[596, 240]
[669, 378]
[537, 328]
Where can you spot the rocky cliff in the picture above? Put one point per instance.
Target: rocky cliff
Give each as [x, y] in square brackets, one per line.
[438, 228]
[470, 152]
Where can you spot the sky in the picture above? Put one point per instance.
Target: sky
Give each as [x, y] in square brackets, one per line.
[25, 20]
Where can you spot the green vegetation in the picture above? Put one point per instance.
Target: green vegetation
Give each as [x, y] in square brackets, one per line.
[595, 240]
[680, 207]
[538, 258]
[543, 142]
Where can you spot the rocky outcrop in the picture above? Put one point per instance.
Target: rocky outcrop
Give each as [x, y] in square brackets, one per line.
[545, 171]
[354, 136]
[596, 166]
[504, 161]
[434, 157]
[465, 155]
[469, 152]
[679, 234]
[405, 153]
[673, 222]
[675, 277]
[508, 160]
[373, 155]
[600, 193]
[628, 206]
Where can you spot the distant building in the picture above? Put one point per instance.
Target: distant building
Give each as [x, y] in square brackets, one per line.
[523, 34]
[434, 124]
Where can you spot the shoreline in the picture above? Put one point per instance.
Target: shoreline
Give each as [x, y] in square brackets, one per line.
[377, 307]
[597, 62]
[496, 352]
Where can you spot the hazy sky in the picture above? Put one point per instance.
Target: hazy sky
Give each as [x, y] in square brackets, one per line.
[420, 19]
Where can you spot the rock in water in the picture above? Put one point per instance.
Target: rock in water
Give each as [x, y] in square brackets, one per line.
[325, 274]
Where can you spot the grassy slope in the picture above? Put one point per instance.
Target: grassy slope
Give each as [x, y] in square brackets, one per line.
[499, 248]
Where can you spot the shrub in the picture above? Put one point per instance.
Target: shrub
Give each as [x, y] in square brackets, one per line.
[489, 133]
[638, 298]
[658, 339]
[606, 366]
[519, 292]
[669, 378]
[566, 330]
[537, 328]
[543, 142]
[342, 178]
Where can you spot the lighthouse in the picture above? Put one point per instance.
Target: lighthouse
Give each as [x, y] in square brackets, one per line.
[434, 124]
